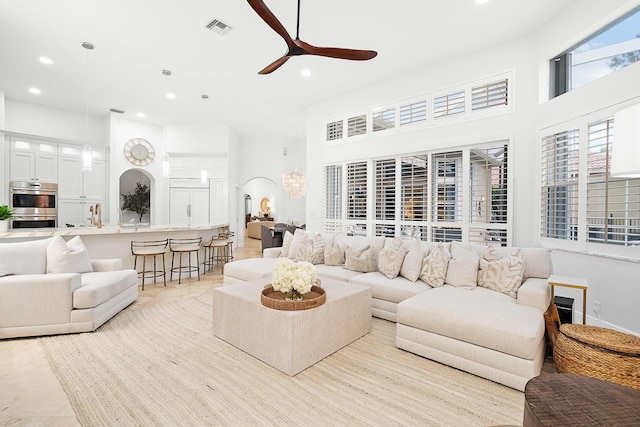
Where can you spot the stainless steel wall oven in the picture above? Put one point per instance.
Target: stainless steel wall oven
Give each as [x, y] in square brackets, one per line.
[35, 204]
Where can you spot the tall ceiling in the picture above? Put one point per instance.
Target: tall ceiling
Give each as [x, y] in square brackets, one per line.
[136, 39]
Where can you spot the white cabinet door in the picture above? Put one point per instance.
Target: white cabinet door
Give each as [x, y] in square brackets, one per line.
[218, 205]
[23, 165]
[69, 212]
[199, 210]
[179, 205]
[95, 181]
[69, 177]
[189, 206]
[46, 167]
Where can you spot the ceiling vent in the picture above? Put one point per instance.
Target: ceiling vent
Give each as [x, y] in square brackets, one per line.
[115, 110]
[218, 26]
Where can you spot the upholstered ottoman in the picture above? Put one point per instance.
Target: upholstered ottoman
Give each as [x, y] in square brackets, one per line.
[599, 353]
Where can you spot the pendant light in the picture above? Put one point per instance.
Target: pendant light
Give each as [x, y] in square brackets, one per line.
[166, 165]
[87, 154]
[294, 182]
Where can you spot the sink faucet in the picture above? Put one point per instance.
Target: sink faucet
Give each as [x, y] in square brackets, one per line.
[99, 215]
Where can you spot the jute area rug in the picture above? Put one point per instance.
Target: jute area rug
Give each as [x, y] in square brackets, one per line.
[161, 365]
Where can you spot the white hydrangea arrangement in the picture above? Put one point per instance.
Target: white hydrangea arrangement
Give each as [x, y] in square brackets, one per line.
[293, 278]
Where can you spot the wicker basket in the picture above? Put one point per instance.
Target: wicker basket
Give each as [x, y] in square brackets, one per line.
[276, 300]
[599, 353]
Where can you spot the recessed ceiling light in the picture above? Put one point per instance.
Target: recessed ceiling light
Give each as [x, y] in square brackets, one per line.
[482, 1]
[171, 96]
[34, 90]
[46, 60]
[140, 114]
[305, 72]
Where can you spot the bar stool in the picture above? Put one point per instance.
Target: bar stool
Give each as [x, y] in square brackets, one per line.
[152, 248]
[214, 252]
[228, 236]
[188, 246]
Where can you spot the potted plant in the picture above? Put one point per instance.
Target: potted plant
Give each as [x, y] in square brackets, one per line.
[5, 215]
[139, 201]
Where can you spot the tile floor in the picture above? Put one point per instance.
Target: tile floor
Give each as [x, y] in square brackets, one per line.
[30, 394]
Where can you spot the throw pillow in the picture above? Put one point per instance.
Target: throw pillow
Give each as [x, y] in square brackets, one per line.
[71, 257]
[362, 260]
[501, 274]
[304, 249]
[391, 258]
[316, 256]
[298, 236]
[462, 271]
[333, 255]
[412, 265]
[434, 266]
[286, 244]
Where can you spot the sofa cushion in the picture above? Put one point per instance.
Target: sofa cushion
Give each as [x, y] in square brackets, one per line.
[394, 290]
[501, 274]
[333, 255]
[480, 316]
[286, 244]
[69, 257]
[412, 263]
[362, 260]
[391, 258]
[250, 269]
[434, 266]
[462, 271]
[24, 257]
[335, 272]
[98, 287]
[298, 237]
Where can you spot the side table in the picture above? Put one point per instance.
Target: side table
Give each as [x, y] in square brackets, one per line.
[576, 400]
[571, 282]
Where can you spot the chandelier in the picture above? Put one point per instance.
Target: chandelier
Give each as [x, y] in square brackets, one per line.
[294, 183]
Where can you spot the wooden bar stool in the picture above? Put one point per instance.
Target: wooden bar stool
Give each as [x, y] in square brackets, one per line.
[149, 248]
[188, 246]
[214, 251]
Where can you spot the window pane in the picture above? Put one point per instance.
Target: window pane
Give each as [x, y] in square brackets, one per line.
[385, 189]
[357, 190]
[357, 125]
[414, 188]
[385, 119]
[489, 185]
[333, 192]
[412, 113]
[334, 130]
[448, 105]
[489, 95]
[560, 185]
[447, 187]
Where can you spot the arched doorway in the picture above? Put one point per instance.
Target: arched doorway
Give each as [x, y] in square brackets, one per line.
[133, 184]
[258, 189]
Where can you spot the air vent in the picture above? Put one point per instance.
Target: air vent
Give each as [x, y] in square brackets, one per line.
[218, 27]
[115, 110]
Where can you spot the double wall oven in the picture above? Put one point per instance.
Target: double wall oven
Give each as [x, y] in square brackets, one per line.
[35, 204]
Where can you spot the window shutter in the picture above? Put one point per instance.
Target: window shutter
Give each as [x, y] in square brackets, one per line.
[384, 119]
[489, 95]
[385, 189]
[333, 192]
[613, 204]
[357, 190]
[357, 125]
[488, 185]
[560, 185]
[448, 105]
[447, 185]
[413, 113]
[334, 130]
[446, 234]
[414, 188]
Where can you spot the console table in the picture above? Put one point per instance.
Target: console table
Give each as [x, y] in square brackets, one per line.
[571, 282]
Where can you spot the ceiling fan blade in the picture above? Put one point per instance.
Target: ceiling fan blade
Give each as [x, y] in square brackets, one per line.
[274, 65]
[336, 52]
[267, 16]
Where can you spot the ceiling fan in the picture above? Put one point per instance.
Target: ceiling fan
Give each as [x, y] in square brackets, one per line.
[297, 47]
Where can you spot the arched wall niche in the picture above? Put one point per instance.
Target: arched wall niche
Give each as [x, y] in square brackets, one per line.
[127, 184]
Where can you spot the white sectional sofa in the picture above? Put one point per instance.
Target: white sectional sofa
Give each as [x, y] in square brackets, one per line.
[493, 332]
[48, 287]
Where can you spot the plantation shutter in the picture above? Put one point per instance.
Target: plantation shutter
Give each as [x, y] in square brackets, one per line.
[384, 119]
[613, 204]
[414, 188]
[560, 185]
[332, 198]
[357, 125]
[334, 130]
[357, 190]
[489, 95]
[448, 105]
[413, 113]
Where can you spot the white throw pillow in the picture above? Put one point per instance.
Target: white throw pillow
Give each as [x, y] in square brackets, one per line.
[391, 258]
[71, 257]
[362, 260]
[333, 255]
[24, 257]
[462, 271]
[298, 236]
[501, 274]
[434, 266]
[316, 255]
[305, 247]
[286, 244]
[412, 265]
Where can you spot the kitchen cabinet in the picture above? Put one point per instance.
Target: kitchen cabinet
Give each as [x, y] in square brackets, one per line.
[189, 202]
[32, 160]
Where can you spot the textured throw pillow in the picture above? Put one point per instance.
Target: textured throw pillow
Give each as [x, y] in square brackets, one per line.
[286, 244]
[71, 257]
[316, 255]
[501, 274]
[362, 260]
[463, 266]
[333, 255]
[391, 258]
[412, 264]
[304, 249]
[434, 266]
[298, 236]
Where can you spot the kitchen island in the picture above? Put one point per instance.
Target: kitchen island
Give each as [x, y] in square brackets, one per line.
[115, 241]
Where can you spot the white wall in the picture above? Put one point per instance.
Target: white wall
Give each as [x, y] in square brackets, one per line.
[615, 283]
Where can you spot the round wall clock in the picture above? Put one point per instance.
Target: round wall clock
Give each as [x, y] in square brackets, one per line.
[139, 152]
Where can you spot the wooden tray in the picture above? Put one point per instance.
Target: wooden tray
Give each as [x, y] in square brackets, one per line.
[276, 300]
